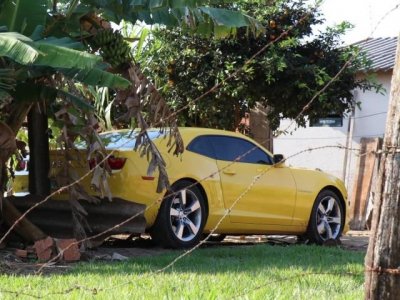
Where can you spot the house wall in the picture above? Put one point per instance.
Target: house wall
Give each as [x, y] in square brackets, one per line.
[369, 121]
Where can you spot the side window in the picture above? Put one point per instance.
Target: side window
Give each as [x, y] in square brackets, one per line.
[201, 145]
[232, 148]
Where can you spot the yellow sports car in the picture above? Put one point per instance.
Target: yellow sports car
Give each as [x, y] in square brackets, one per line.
[227, 182]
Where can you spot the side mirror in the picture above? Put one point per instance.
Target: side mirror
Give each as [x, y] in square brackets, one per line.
[278, 158]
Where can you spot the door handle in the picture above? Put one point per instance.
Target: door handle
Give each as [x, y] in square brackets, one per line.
[229, 172]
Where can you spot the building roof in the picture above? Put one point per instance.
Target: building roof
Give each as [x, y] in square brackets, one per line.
[381, 51]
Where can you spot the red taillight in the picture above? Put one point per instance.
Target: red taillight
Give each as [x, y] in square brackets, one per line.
[115, 163]
[20, 166]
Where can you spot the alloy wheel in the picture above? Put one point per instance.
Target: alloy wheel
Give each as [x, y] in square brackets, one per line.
[185, 215]
[329, 218]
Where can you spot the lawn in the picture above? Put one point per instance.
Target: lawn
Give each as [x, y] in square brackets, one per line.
[241, 272]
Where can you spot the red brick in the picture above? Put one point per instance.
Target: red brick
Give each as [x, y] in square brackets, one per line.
[70, 248]
[44, 248]
[21, 253]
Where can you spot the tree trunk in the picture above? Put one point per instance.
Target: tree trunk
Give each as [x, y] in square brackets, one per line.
[10, 214]
[17, 116]
[259, 126]
[27, 230]
[382, 273]
[39, 183]
[7, 148]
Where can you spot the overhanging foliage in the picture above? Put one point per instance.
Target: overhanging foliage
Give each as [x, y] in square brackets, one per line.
[292, 69]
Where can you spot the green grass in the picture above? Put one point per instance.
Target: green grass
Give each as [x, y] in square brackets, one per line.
[241, 272]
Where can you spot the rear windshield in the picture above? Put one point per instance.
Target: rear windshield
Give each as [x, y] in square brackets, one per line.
[122, 140]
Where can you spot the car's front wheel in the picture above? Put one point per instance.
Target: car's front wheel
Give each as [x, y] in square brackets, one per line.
[181, 217]
[327, 218]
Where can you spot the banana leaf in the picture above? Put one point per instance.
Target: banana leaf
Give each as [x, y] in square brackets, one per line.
[61, 57]
[13, 45]
[23, 15]
[97, 77]
[173, 13]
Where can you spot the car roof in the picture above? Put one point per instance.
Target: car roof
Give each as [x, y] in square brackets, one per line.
[185, 131]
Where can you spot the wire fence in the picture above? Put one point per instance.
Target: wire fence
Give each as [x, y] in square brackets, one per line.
[228, 210]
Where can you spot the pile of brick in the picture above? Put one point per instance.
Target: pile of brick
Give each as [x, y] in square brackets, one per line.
[46, 249]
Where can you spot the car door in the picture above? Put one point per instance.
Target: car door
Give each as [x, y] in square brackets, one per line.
[256, 191]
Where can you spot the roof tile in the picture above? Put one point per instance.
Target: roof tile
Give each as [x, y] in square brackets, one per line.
[381, 51]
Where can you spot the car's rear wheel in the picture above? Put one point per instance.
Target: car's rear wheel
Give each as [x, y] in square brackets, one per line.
[181, 217]
[327, 218]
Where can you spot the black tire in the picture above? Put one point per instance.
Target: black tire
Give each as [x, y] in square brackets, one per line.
[216, 237]
[177, 226]
[326, 219]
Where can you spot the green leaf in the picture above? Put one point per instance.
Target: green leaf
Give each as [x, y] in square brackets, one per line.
[12, 47]
[37, 33]
[29, 91]
[63, 42]
[172, 13]
[4, 95]
[107, 115]
[222, 31]
[72, 6]
[23, 15]
[204, 28]
[77, 101]
[62, 57]
[139, 47]
[145, 16]
[177, 3]
[164, 16]
[140, 3]
[97, 77]
[226, 17]
[156, 4]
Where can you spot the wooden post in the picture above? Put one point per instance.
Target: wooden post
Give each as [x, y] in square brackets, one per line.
[382, 272]
[363, 182]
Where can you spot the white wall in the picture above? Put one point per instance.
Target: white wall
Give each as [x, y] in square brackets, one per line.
[329, 159]
[368, 122]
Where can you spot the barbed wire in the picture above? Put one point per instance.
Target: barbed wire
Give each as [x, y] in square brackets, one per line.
[19, 293]
[191, 250]
[256, 178]
[227, 212]
[172, 115]
[243, 67]
[263, 49]
[377, 135]
[97, 291]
